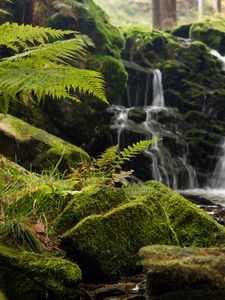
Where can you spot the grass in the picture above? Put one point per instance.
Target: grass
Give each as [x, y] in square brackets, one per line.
[28, 204]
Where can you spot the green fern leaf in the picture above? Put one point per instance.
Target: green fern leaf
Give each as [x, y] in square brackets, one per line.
[135, 149]
[17, 37]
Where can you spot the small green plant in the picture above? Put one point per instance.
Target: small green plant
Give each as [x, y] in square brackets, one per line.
[112, 159]
[17, 232]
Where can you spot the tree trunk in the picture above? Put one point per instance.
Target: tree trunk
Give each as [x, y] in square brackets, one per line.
[164, 14]
[219, 6]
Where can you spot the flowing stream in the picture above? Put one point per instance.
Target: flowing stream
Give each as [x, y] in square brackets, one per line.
[150, 118]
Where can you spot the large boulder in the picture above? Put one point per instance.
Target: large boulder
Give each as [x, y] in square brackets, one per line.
[25, 275]
[211, 32]
[106, 244]
[94, 199]
[33, 147]
[184, 273]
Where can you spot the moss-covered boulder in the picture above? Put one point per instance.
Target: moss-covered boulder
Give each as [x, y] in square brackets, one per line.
[94, 199]
[30, 276]
[211, 32]
[106, 244]
[35, 147]
[193, 227]
[184, 273]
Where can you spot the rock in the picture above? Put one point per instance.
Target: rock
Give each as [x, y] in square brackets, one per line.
[184, 273]
[25, 275]
[211, 32]
[192, 226]
[95, 199]
[193, 84]
[35, 147]
[106, 245]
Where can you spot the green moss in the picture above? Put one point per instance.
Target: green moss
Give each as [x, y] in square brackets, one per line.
[198, 272]
[211, 32]
[95, 199]
[106, 246]
[30, 276]
[114, 74]
[44, 148]
[193, 226]
[95, 23]
[152, 44]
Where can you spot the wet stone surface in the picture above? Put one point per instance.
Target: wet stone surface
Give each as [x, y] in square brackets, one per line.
[128, 288]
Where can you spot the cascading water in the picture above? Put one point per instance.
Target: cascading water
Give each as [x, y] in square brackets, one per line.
[158, 121]
[219, 57]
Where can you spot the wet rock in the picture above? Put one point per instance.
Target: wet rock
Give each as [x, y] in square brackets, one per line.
[184, 273]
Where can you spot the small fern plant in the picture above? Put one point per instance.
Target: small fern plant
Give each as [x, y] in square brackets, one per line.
[110, 162]
[42, 64]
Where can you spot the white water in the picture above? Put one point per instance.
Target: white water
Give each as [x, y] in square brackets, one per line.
[173, 171]
[220, 58]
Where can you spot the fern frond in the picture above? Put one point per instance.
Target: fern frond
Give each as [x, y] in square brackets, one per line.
[109, 161]
[135, 149]
[4, 12]
[59, 52]
[57, 81]
[17, 37]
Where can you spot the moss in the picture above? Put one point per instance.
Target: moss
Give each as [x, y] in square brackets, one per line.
[199, 272]
[114, 74]
[95, 199]
[106, 245]
[30, 276]
[42, 149]
[94, 22]
[211, 32]
[193, 226]
[153, 45]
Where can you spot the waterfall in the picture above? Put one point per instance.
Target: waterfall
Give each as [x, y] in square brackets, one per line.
[218, 178]
[219, 57]
[155, 120]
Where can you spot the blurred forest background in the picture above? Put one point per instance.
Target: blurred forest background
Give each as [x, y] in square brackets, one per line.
[139, 12]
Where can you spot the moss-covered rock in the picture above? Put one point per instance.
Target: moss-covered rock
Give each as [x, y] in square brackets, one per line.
[192, 226]
[192, 80]
[106, 245]
[211, 32]
[25, 275]
[94, 199]
[35, 147]
[114, 74]
[184, 273]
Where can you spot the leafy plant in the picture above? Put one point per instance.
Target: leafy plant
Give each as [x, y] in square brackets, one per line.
[39, 68]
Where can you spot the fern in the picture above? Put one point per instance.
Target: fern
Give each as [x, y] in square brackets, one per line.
[110, 161]
[18, 37]
[44, 70]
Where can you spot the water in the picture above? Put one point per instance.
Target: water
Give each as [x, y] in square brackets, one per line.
[156, 121]
[220, 58]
